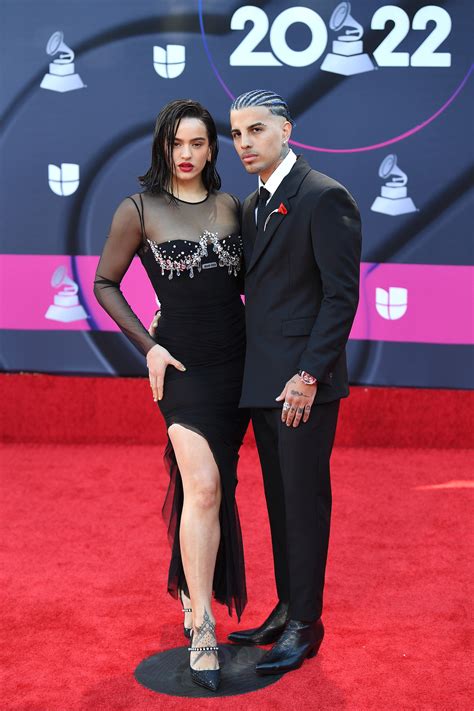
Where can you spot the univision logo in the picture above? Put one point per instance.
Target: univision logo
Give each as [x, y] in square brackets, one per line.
[391, 304]
[169, 62]
[63, 180]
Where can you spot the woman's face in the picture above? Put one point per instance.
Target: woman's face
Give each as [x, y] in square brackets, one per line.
[191, 149]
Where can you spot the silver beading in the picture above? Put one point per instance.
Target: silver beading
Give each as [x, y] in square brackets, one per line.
[193, 261]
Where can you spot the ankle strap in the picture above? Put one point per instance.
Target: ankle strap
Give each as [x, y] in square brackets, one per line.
[203, 649]
[187, 609]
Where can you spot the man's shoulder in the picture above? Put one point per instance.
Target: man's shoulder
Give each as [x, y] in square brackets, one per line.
[317, 184]
[306, 179]
[315, 180]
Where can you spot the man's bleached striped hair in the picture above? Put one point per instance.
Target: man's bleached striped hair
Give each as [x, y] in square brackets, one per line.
[262, 97]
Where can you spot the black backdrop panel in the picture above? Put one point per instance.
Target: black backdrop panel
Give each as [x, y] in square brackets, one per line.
[382, 99]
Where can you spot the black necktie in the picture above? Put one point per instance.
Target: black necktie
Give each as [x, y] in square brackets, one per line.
[263, 196]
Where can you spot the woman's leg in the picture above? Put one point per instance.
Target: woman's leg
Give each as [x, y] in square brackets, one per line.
[199, 532]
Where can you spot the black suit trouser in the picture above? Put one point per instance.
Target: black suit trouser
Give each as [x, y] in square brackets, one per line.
[296, 476]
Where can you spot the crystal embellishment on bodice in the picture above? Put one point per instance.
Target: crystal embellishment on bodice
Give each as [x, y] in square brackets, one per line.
[193, 260]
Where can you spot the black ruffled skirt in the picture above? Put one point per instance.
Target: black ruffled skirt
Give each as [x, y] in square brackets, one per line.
[205, 399]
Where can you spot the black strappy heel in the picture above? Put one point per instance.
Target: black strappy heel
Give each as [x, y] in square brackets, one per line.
[208, 678]
[187, 630]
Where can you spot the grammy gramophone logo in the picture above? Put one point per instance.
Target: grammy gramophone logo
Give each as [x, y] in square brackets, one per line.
[347, 56]
[66, 306]
[61, 76]
[393, 198]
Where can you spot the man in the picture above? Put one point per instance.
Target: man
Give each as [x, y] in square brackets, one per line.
[302, 242]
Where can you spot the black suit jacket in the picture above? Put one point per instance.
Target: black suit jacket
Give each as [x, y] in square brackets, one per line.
[301, 286]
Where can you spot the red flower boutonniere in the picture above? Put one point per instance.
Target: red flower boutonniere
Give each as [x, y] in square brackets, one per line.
[281, 210]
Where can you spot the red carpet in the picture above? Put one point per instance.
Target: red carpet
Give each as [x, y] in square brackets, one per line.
[45, 408]
[85, 555]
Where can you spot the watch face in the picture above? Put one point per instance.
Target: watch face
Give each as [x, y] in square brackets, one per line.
[380, 96]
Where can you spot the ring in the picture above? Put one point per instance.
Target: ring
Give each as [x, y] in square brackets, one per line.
[286, 406]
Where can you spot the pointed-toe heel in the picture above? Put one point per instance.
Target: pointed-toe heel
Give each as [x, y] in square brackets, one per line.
[208, 678]
[186, 630]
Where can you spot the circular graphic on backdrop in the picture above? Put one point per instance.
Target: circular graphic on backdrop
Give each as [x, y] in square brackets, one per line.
[168, 673]
[268, 62]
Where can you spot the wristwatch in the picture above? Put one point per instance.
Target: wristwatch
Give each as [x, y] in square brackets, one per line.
[307, 378]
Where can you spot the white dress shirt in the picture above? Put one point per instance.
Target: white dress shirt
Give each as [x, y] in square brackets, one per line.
[273, 182]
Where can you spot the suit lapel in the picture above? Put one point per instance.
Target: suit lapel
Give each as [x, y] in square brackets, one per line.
[286, 190]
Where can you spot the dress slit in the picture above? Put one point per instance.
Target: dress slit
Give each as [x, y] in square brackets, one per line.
[229, 578]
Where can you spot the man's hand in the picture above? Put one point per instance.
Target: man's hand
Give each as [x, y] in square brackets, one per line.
[157, 360]
[298, 399]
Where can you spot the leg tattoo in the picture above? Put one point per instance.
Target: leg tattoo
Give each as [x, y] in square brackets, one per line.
[204, 636]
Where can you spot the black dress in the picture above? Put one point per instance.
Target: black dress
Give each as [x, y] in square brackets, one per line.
[192, 253]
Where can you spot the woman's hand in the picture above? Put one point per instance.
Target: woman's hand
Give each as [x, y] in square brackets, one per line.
[157, 360]
[154, 324]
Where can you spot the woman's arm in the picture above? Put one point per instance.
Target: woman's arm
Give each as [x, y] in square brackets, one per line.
[120, 247]
[124, 239]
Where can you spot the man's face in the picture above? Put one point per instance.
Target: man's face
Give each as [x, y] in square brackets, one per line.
[260, 138]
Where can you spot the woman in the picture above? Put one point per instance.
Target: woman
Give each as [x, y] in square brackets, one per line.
[187, 235]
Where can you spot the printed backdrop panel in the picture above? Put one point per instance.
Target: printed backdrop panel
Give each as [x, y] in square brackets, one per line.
[382, 99]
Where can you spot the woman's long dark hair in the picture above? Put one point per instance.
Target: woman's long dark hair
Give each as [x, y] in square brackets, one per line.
[159, 176]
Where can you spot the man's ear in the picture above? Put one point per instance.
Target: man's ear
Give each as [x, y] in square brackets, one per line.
[286, 128]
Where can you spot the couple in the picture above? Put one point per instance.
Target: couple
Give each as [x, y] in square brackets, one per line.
[212, 363]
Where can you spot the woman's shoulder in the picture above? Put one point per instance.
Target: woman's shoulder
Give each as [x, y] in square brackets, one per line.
[137, 202]
[129, 213]
[228, 198]
[127, 206]
[130, 202]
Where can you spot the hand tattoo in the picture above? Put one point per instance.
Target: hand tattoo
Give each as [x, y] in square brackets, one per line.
[298, 393]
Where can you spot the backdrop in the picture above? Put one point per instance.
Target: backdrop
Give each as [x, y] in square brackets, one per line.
[383, 103]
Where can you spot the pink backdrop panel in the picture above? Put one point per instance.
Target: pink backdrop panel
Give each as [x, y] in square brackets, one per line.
[26, 292]
[439, 304]
[436, 300]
